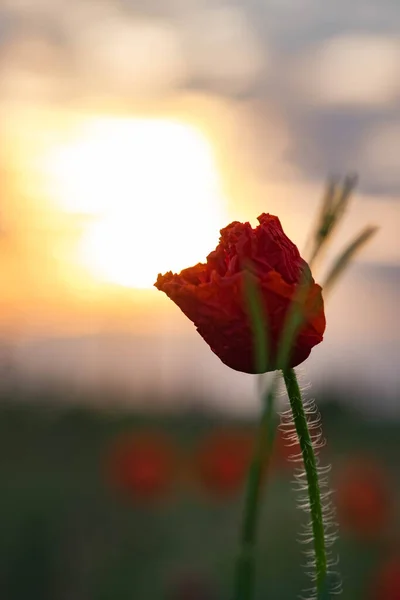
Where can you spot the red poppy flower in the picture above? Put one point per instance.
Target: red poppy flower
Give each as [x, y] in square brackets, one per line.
[141, 465]
[192, 587]
[363, 498]
[223, 459]
[387, 582]
[212, 295]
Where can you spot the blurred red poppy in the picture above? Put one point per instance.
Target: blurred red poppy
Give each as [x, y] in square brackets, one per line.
[192, 587]
[284, 451]
[141, 465]
[386, 584]
[212, 295]
[223, 459]
[363, 497]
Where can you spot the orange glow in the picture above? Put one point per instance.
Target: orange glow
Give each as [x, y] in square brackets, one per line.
[150, 189]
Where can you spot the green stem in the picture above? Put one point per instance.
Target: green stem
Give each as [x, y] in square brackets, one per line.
[245, 568]
[310, 466]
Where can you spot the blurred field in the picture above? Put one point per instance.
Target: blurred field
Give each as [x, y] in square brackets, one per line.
[83, 515]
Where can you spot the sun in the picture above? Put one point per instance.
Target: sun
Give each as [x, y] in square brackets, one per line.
[151, 190]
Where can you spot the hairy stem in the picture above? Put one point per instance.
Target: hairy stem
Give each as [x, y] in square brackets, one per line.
[245, 567]
[310, 466]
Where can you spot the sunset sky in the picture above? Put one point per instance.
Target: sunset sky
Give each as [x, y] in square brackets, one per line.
[132, 131]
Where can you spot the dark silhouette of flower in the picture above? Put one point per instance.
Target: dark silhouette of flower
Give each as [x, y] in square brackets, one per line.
[213, 294]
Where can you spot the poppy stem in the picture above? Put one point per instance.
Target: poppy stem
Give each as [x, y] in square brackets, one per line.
[310, 466]
[245, 567]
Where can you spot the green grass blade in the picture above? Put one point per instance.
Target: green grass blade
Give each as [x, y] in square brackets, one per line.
[333, 206]
[258, 319]
[346, 256]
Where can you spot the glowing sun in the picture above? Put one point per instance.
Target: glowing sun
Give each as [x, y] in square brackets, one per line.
[151, 189]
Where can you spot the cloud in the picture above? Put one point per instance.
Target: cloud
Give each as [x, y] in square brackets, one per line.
[222, 48]
[108, 48]
[32, 70]
[93, 48]
[380, 151]
[131, 56]
[352, 70]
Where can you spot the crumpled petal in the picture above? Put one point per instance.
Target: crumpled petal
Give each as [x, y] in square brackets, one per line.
[212, 294]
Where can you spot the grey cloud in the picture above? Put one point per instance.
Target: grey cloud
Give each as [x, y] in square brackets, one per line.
[262, 54]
